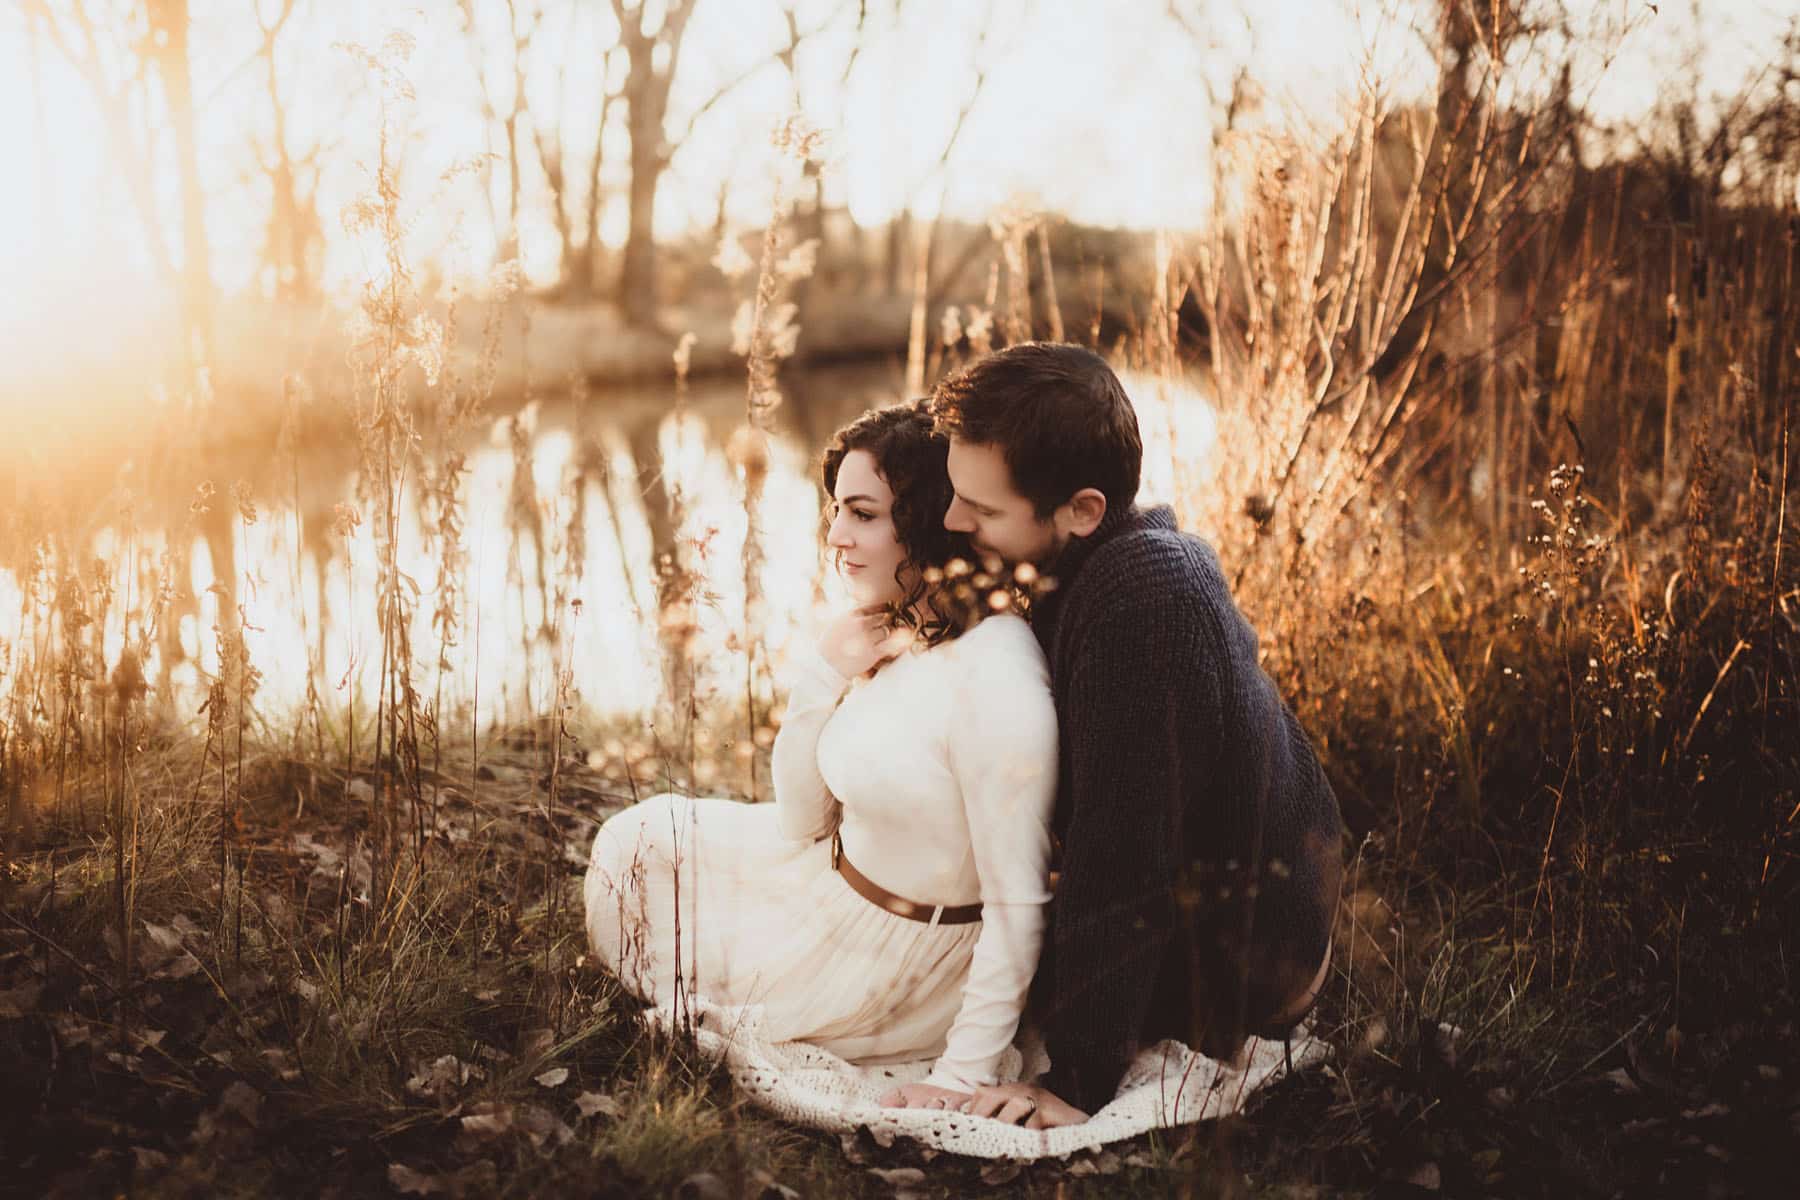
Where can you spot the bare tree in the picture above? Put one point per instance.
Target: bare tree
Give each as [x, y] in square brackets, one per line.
[169, 29]
[294, 232]
[586, 265]
[652, 53]
[922, 245]
[519, 37]
[579, 261]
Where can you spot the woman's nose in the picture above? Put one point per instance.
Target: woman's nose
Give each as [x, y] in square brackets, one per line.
[838, 535]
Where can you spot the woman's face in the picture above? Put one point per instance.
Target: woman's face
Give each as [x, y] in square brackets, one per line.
[862, 532]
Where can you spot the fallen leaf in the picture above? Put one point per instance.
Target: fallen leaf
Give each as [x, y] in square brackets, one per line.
[327, 859]
[409, 1182]
[589, 1103]
[16, 1002]
[553, 1078]
[1620, 1078]
[702, 1186]
[128, 1062]
[541, 1125]
[181, 966]
[1715, 1109]
[1427, 1176]
[148, 1159]
[244, 1100]
[899, 1176]
[1001, 1173]
[280, 1063]
[490, 1120]
[441, 1079]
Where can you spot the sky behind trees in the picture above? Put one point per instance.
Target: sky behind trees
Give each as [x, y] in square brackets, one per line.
[1103, 112]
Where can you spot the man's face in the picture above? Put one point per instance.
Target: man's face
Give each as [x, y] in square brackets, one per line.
[996, 517]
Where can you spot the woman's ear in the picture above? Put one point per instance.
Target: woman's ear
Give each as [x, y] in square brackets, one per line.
[1082, 513]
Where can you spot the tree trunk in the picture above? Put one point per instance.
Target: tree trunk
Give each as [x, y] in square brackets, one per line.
[637, 273]
[509, 245]
[647, 106]
[585, 270]
[169, 35]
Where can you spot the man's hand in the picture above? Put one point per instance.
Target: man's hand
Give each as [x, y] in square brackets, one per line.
[859, 641]
[924, 1095]
[1023, 1104]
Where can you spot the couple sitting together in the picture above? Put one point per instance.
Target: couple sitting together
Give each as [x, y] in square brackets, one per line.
[1092, 811]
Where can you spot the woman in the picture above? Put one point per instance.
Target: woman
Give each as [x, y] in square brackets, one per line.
[889, 906]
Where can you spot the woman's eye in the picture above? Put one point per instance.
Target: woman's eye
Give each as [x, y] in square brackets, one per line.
[862, 516]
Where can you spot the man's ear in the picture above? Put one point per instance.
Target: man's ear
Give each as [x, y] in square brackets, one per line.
[1082, 513]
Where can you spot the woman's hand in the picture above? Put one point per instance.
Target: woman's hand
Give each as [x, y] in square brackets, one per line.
[1023, 1104]
[859, 641]
[924, 1095]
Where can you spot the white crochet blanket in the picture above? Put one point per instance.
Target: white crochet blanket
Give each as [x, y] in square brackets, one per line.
[1167, 1085]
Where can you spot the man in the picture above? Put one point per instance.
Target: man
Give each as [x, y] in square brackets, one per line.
[1200, 841]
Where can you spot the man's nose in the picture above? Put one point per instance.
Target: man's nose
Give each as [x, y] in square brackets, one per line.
[956, 520]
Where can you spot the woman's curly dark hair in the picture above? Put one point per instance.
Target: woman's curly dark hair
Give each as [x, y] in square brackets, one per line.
[911, 458]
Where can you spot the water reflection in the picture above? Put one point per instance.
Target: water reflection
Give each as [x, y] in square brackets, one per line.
[306, 584]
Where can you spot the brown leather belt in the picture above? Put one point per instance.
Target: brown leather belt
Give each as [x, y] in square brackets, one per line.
[900, 906]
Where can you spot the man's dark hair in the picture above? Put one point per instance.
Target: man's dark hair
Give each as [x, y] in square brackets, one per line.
[1058, 414]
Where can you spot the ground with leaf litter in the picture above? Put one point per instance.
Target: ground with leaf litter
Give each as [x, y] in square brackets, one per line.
[324, 1017]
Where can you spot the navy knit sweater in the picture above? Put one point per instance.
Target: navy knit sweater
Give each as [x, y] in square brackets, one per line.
[1200, 842]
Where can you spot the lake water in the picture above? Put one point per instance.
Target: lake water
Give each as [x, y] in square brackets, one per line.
[307, 593]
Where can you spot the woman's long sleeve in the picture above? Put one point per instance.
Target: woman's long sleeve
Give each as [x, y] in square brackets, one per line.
[1003, 751]
[805, 809]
